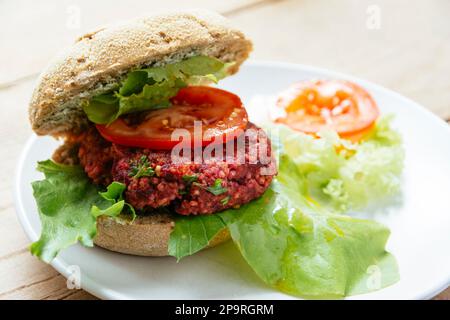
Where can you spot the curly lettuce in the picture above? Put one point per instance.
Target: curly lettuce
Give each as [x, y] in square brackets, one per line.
[68, 205]
[345, 176]
[152, 88]
[295, 245]
[306, 250]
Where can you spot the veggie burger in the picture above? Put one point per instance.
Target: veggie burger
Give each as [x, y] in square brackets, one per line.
[129, 101]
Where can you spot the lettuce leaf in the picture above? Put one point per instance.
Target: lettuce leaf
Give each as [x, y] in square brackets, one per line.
[193, 233]
[295, 237]
[114, 194]
[344, 176]
[68, 205]
[305, 250]
[295, 245]
[151, 88]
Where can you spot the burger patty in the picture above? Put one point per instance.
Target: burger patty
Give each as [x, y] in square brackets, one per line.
[153, 180]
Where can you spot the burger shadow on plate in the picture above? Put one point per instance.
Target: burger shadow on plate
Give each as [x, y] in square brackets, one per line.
[223, 264]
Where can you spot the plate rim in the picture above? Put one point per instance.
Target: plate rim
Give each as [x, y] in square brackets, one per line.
[93, 287]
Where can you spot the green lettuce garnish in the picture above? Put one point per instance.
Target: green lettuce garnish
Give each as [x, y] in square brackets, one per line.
[68, 205]
[193, 233]
[151, 88]
[114, 194]
[294, 245]
[343, 176]
[294, 236]
[305, 250]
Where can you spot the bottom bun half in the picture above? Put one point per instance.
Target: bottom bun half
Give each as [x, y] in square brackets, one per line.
[145, 236]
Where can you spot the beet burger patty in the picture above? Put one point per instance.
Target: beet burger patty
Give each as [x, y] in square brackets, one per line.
[153, 180]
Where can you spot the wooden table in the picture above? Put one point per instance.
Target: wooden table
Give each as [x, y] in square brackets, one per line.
[406, 50]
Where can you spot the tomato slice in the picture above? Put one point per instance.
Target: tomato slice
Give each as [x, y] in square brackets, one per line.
[342, 106]
[220, 113]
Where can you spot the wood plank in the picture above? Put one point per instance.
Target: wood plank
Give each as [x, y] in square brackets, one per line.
[445, 295]
[53, 288]
[21, 271]
[14, 126]
[24, 277]
[409, 53]
[42, 28]
[13, 238]
[80, 295]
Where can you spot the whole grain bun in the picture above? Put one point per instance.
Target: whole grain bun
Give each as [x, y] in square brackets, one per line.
[100, 59]
[146, 236]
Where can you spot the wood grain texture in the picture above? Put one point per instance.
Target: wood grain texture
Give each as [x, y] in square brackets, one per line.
[42, 28]
[409, 54]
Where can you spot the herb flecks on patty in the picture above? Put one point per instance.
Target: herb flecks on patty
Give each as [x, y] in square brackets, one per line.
[153, 180]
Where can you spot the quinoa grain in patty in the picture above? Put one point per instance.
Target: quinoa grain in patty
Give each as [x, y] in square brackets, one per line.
[153, 180]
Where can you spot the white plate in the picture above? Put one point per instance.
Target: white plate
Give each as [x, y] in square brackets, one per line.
[420, 225]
